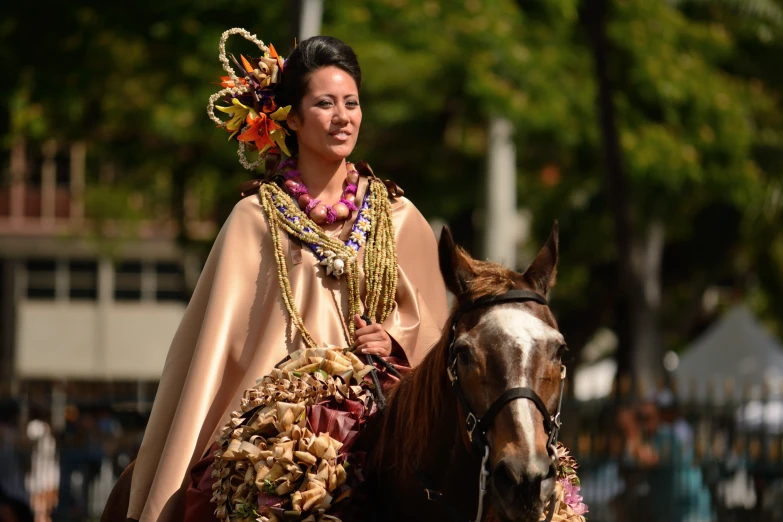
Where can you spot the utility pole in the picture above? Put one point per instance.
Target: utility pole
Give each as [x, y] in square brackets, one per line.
[501, 232]
[307, 17]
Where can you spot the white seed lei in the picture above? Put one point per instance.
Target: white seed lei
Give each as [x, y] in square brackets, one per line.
[334, 263]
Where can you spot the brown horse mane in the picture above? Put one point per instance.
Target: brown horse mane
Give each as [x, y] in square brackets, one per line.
[416, 406]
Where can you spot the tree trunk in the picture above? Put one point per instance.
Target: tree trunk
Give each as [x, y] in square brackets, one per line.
[638, 263]
[646, 256]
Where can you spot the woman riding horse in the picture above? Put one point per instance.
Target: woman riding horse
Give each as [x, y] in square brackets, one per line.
[472, 429]
[316, 244]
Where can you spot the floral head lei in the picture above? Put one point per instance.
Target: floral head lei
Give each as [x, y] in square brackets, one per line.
[249, 98]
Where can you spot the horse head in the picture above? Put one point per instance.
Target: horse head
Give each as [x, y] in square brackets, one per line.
[501, 345]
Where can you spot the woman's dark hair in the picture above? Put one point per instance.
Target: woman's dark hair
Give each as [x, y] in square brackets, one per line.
[309, 56]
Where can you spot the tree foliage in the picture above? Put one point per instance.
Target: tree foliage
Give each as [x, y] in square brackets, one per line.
[697, 94]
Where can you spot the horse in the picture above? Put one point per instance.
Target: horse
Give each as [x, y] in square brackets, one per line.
[456, 438]
[430, 455]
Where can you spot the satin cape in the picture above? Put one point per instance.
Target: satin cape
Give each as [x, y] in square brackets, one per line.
[236, 328]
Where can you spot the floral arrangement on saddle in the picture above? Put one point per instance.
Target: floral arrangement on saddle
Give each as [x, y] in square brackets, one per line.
[284, 455]
[568, 502]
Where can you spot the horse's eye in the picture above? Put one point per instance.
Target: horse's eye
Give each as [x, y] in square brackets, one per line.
[562, 351]
[463, 356]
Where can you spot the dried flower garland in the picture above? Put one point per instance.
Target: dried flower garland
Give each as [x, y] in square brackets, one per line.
[283, 455]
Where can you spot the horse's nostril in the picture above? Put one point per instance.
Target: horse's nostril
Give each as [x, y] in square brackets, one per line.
[504, 478]
[533, 484]
[523, 485]
[547, 486]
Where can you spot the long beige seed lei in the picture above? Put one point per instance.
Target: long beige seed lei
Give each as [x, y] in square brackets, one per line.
[380, 254]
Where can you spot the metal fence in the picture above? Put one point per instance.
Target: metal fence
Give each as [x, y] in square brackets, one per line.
[666, 459]
[680, 457]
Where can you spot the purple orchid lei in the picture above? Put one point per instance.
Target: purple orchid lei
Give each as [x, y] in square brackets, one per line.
[359, 231]
[572, 497]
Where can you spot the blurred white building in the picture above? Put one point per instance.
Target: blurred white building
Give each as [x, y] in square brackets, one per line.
[733, 359]
[69, 310]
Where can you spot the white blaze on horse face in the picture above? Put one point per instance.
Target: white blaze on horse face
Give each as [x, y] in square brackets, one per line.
[524, 331]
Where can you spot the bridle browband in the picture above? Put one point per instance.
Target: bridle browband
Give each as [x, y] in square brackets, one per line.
[478, 427]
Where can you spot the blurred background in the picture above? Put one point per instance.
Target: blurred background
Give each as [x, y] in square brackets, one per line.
[652, 130]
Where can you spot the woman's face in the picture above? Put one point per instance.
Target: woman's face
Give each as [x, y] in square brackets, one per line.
[329, 118]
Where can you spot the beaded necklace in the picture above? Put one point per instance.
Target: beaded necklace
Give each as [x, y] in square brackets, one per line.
[320, 212]
[380, 253]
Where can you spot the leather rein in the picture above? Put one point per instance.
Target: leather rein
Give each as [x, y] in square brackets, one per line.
[476, 426]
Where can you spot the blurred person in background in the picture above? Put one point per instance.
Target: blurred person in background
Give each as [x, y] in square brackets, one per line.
[632, 503]
[677, 491]
[42, 479]
[81, 454]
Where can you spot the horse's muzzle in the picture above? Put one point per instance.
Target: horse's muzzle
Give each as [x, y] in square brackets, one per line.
[522, 488]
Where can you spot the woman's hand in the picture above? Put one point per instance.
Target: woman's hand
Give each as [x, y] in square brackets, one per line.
[372, 339]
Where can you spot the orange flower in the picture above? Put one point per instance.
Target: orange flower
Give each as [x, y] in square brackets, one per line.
[258, 132]
[273, 54]
[247, 65]
[264, 132]
[269, 106]
[228, 83]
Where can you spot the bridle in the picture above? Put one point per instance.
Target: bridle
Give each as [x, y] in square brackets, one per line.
[478, 426]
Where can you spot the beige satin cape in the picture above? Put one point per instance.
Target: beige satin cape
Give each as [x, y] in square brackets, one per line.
[236, 328]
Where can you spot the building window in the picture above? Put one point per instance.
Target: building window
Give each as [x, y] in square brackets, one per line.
[62, 161]
[78, 279]
[83, 280]
[41, 278]
[127, 281]
[170, 282]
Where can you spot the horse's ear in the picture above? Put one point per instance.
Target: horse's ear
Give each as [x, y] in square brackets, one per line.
[542, 272]
[455, 264]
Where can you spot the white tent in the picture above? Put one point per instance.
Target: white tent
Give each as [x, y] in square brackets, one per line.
[736, 349]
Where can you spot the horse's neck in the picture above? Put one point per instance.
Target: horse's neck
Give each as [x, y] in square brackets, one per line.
[447, 467]
[460, 486]
[459, 479]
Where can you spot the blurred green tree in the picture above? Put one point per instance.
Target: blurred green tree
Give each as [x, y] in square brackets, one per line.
[132, 81]
[651, 130]
[685, 135]
[680, 129]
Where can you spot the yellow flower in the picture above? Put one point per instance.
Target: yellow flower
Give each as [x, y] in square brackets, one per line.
[238, 112]
[281, 113]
